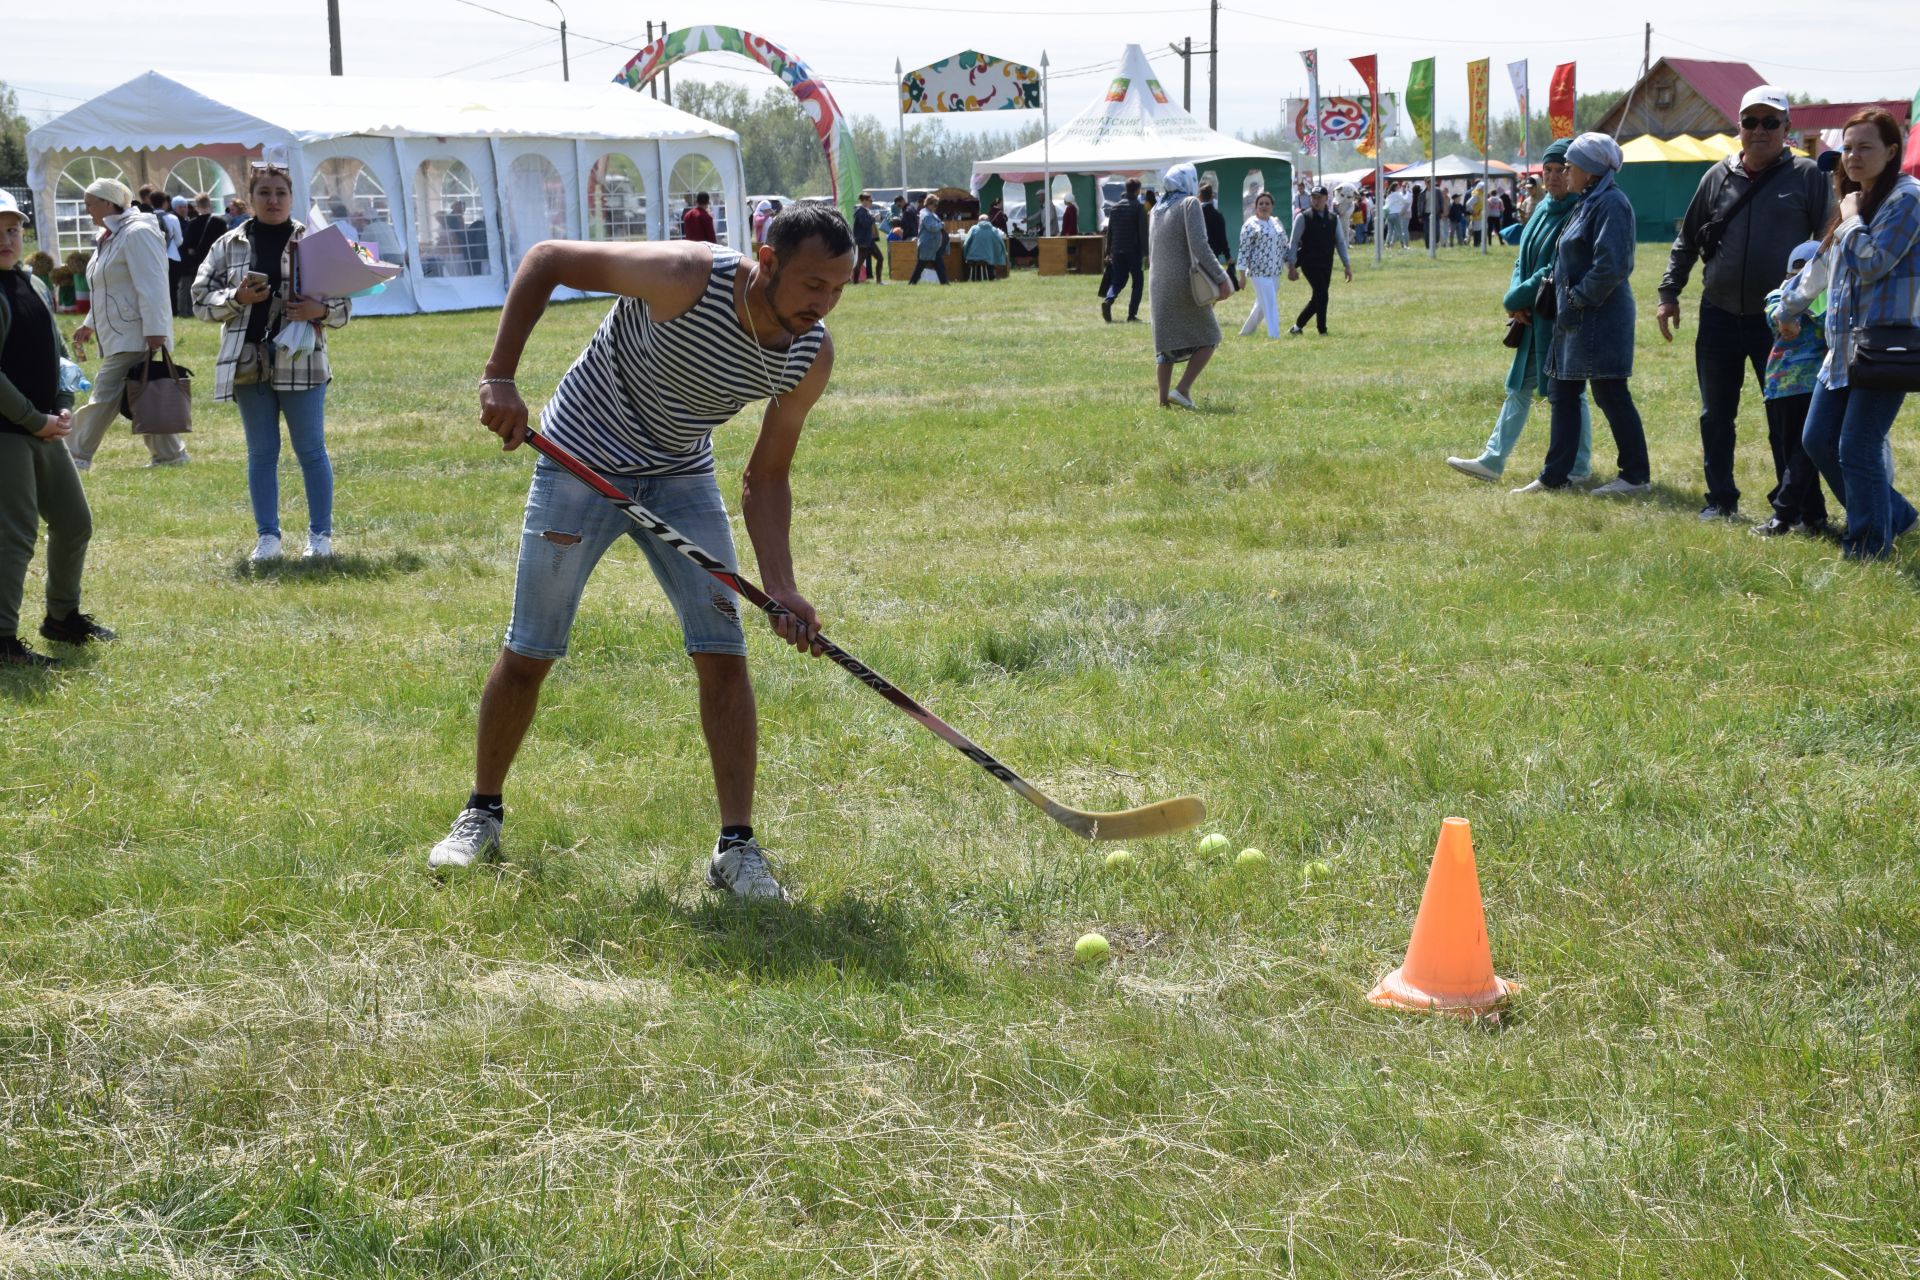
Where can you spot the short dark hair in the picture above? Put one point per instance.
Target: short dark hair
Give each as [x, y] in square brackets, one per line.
[1206, 191]
[804, 221]
[1133, 186]
[702, 199]
[867, 196]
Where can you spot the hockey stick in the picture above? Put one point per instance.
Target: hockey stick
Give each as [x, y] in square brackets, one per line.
[1163, 818]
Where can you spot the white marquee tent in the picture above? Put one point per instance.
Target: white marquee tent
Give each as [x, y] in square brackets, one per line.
[1134, 128]
[455, 178]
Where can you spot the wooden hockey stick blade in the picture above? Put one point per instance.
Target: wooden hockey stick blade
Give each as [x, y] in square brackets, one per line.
[1164, 818]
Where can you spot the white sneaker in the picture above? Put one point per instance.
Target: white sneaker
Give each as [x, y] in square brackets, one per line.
[475, 835]
[1472, 467]
[1536, 487]
[1623, 488]
[319, 546]
[1179, 397]
[268, 548]
[741, 869]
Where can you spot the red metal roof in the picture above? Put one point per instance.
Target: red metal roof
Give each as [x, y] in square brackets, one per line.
[1831, 115]
[1721, 83]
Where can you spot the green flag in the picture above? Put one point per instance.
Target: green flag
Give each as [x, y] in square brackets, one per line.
[1420, 102]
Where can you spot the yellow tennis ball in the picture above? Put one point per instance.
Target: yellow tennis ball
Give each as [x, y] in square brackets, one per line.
[1251, 858]
[1119, 860]
[1315, 871]
[1212, 843]
[1092, 949]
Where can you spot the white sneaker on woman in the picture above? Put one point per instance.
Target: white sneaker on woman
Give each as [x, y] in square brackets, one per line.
[1179, 397]
[1473, 467]
[319, 546]
[1536, 487]
[268, 548]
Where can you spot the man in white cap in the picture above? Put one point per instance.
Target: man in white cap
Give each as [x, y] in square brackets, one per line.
[1747, 214]
[132, 315]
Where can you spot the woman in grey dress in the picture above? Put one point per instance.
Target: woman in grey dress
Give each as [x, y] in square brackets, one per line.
[1183, 330]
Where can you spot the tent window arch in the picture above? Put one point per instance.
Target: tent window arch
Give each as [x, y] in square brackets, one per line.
[450, 220]
[536, 203]
[198, 175]
[691, 175]
[1250, 189]
[72, 228]
[343, 187]
[616, 199]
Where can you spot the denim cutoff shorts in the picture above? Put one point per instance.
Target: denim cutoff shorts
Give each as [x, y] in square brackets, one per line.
[553, 571]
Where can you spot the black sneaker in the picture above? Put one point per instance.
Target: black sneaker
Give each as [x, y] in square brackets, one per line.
[15, 654]
[1775, 527]
[1719, 511]
[75, 628]
[1106, 310]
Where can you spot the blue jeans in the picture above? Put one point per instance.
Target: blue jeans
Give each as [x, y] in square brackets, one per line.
[261, 408]
[1513, 419]
[569, 527]
[1846, 437]
[1623, 419]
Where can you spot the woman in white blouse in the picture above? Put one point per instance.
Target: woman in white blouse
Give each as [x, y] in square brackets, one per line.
[1263, 253]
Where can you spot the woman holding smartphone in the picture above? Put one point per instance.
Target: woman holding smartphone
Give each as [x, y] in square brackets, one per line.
[247, 285]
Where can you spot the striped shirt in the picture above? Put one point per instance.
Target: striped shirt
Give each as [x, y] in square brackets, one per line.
[644, 397]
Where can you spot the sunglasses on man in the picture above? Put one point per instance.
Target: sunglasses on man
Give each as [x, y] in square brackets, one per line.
[1756, 123]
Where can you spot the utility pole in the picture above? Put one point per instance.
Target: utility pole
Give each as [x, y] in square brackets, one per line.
[666, 73]
[1186, 66]
[333, 35]
[566, 72]
[653, 85]
[1646, 52]
[1213, 68]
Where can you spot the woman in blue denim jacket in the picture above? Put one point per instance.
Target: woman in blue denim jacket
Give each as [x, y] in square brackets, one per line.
[1869, 267]
[1593, 330]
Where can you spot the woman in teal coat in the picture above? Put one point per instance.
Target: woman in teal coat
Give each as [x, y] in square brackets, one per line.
[1525, 380]
[985, 252]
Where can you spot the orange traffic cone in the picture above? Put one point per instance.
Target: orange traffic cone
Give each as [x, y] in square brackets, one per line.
[1449, 967]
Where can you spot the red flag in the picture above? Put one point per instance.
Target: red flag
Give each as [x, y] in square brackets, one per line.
[1369, 69]
[1912, 163]
[1560, 101]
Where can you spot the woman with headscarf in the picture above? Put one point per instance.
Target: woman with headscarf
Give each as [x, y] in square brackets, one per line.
[1263, 252]
[762, 215]
[985, 252]
[1592, 340]
[1525, 376]
[930, 243]
[1184, 331]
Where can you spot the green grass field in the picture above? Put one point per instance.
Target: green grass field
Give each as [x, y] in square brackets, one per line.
[242, 1033]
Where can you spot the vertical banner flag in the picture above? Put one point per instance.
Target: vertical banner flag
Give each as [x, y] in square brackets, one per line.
[1517, 72]
[1369, 69]
[1420, 102]
[1312, 58]
[1560, 101]
[1912, 163]
[1478, 73]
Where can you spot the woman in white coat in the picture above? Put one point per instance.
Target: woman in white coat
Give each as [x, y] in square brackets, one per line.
[131, 315]
[1263, 255]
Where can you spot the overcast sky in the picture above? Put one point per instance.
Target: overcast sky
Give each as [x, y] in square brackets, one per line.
[56, 56]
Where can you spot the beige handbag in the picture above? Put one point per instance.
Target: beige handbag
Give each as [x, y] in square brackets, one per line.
[161, 406]
[1205, 291]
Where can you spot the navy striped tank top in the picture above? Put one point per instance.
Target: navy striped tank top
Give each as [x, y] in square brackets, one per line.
[644, 397]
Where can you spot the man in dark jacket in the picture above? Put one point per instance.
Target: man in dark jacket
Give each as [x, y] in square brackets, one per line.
[1216, 224]
[1317, 236]
[1126, 243]
[1782, 200]
[866, 250]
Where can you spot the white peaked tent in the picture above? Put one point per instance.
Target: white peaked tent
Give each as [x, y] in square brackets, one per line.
[457, 179]
[1135, 129]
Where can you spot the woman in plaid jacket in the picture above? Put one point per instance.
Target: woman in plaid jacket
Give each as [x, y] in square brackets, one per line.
[248, 284]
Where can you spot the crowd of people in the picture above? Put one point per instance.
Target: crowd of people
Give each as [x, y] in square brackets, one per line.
[1792, 287]
[1814, 290]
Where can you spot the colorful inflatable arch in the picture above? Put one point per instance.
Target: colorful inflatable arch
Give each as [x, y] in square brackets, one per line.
[829, 122]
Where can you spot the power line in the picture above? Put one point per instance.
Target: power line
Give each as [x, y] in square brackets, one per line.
[1788, 66]
[499, 57]
[1403, 38]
